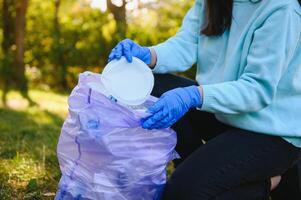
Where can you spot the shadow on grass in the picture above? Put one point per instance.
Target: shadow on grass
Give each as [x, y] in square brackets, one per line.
[28, 163]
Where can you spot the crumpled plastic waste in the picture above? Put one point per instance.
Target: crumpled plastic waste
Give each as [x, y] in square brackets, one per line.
[105, 154]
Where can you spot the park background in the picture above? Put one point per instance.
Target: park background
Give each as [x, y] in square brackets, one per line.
[44, 45]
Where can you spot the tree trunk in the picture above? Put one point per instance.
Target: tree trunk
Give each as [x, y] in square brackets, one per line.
[59, 59]
[119, 14]
[19, 72]
[7, 46]
[8, 28]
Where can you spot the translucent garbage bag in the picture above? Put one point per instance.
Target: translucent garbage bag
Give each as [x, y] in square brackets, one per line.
[103, 152]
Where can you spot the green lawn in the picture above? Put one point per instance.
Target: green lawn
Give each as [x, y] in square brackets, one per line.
[28, 137]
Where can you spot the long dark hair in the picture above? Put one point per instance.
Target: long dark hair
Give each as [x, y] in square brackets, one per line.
[219, 16]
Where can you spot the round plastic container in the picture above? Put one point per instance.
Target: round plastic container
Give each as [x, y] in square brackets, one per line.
[129, 83]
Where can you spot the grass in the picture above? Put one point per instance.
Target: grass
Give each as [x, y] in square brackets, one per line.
[28, 137]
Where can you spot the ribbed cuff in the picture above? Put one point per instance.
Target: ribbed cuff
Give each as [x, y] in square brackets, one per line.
[159, 67]
[208, 98]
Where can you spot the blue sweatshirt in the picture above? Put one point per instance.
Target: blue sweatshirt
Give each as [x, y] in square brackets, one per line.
[251, 75]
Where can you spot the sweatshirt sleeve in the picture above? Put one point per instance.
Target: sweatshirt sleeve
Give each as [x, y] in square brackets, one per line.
[179, 53]
[269, 54]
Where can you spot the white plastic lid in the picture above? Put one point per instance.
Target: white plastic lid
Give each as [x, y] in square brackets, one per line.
[129, 83]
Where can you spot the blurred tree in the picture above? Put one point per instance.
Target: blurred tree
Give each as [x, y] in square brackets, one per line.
[71, 35]
[19, 67]
[13, 67]
[66, 37]
[119, 13]
[58, 48]
[7, 45]
[39, 54]
[156, 21]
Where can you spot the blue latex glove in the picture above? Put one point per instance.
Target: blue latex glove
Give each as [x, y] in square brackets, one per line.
[172, 106]
[128, 49]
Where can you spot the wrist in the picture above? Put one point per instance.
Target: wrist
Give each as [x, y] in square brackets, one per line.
[201, 91]
[196, 93]
[153, 56]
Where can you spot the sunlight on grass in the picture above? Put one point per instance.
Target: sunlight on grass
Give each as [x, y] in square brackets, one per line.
[21, 169]
[28, 163]
[54, 103]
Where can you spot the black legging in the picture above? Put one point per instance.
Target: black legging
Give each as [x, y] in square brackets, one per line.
[234, 164]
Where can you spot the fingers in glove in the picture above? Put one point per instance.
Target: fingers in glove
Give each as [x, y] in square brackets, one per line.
[127, 52]
[118, 51]
[149, 122]
[159, 105]
[164, 122]
[161, 124]
[112, 55]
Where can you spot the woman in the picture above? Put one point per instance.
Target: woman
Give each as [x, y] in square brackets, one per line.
[245, 103]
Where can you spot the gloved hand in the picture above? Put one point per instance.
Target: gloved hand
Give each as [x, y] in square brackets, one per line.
[128, 48]
[172, 106]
